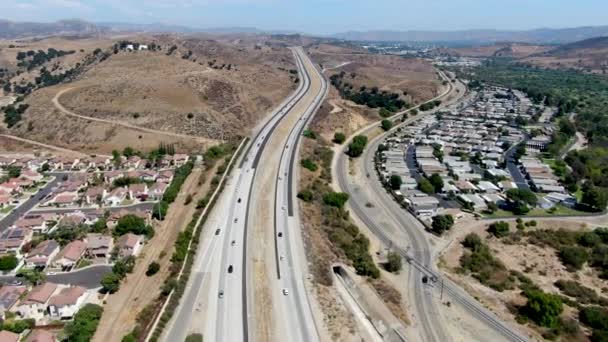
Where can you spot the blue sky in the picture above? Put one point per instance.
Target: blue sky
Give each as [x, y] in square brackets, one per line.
[321, 16]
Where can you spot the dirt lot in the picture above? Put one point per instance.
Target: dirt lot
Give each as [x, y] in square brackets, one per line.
[396, 74]
[138, 290]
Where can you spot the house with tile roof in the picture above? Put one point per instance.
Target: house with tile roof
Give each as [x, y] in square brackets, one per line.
[42, 255]
[66, 303]
[69, 256]
[129, 245]
[35, 303]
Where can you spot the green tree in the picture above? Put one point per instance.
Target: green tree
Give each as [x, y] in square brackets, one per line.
[543, 308]
[524, 195]
[442, 223]
[595, 317]
[339, 138]
[472, 241]
[356, 147]
[499, 229]
[492, 207]
[387, 124]
[153, 268]
[335, 199]
[128, 152]
[595, 197]
[133, 224]
[8, 262]
[425, 186]
[32, 276]
[305, 195]
[437, 182]
[159, 211]
[396, 182]
[110, 282]
[85, 322]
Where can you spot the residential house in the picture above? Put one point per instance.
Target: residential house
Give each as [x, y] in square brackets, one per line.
[31, 175]
[148, 175]
[42, 255]
[12, 239]
[9, 296]
[134, 162]
[11, 188]
[99, 246]
[72, 220]
[487, 187]
[116, 197]
[67, 302]
[180, 159]
[34, 305]
[69, 256]
[94, 195]
[165, 176]
[115, 216]
[138, 191]
[64, 199]
[100, 162]
[5, 200]
[36, 223]
[110, 176]
[129, 245]
[157, 190]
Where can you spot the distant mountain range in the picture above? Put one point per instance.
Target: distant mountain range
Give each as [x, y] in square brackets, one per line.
[537, 36]
[11, 30]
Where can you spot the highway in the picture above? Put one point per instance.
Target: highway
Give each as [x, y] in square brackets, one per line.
[220, 284]
[290, 256]
[403, 233]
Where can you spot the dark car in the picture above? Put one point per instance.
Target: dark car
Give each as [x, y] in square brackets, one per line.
[280, 234]
[230, 268]
[239, 200]
[217, 231]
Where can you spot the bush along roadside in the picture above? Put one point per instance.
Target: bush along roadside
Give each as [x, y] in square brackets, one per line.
[181, 173]
[152, 320]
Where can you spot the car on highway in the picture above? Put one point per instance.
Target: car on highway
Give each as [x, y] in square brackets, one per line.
[230, 269]
[281, 258]
[221, 294]
[233, 243]
[217, 231]
[280, 234]
[236, 219]
[239, 200]
[285, 292]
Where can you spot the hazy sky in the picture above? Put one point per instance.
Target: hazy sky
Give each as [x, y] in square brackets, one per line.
[321, 16]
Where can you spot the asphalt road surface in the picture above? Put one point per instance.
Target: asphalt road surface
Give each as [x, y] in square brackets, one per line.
[89, 277]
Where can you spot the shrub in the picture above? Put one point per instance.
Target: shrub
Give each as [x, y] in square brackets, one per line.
[335, 199]
[309, 164]
[499, 229]
[339, 138]
[305, 195]
[310, 134]
[110, 282]
[153, 268]
[543, 308]
[472, 241]
[425, 186]
[133, 224]
[385, 113]
[573, 257]
[583, 294]
[393, 263]
[194, 338]
[594, 317]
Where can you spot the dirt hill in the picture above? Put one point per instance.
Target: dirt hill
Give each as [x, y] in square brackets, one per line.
[590, 55]
[188, 85]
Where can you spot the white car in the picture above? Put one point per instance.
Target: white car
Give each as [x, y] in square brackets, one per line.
[285, 292]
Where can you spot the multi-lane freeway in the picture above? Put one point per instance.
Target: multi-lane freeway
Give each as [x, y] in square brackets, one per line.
[397, 228]
[219, 297]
